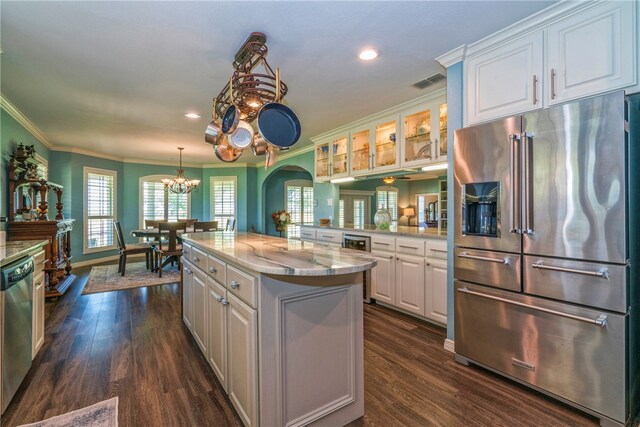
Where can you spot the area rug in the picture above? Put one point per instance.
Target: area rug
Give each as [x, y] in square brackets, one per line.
[105, 278]
[102, 414]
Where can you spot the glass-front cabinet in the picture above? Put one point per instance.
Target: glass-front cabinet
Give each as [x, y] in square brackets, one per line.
[412, 135]
[361, 155]
[385, 155]
[332, 157]
[424, 133]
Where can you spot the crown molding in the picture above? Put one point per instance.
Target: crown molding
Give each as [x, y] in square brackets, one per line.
[227, 165]
[453, 56]
[17, 115]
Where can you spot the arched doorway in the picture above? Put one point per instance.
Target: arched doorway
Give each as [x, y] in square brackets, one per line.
[287, 188]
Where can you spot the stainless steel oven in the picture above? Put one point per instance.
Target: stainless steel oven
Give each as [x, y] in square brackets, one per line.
[360, 243]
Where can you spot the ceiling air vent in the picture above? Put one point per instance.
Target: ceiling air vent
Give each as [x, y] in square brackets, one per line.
[429, 81]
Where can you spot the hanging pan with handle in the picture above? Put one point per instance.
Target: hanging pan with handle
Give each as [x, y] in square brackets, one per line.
[277, 123]
[213, 133]
[242, 137]
[231, 115]
[225, 152]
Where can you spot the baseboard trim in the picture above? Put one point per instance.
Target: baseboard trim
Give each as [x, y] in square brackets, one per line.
[450, 345]
[104, 259]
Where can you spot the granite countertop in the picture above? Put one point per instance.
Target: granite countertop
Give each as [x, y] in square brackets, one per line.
[14, 250]
[278, 256]
[403, 231]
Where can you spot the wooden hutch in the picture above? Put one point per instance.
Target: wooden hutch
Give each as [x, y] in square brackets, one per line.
[29, 220]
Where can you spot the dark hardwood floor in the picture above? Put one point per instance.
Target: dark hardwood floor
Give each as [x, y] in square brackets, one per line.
[133, 344]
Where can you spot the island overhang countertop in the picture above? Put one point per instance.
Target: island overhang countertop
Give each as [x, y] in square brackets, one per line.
[280, 256]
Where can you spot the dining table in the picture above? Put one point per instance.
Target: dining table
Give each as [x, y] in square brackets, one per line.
[156, 233]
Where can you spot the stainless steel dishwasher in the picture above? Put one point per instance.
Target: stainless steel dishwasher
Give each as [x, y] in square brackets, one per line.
[17, 308]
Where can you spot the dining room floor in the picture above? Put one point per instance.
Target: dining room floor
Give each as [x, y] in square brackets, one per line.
[133, 344]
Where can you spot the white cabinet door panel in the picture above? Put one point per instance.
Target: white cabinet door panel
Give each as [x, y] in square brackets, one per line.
[187, 285]
[592, 52]
[199, 307]
[504, 81]
[383, 278]
[410, 284]
[217, 330]
[436, 291]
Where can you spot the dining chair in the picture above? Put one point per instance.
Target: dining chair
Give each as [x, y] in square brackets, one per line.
[231, 224]
[172, 251]
[153, 223]
[133, 249]
[205, 226]
[189, 221]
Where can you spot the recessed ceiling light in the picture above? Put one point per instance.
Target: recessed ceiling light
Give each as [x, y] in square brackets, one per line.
[192, 116]
[368, 54]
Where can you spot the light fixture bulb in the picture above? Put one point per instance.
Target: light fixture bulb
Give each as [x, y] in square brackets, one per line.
[434, 167]
[368, 54]
[167, 181]
[345, 179]
[192, 116]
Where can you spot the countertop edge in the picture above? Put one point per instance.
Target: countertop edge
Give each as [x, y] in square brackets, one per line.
[279, 271]
[35, 244]
[382, 232]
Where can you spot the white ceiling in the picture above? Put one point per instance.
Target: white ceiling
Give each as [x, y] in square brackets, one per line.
[117, 77]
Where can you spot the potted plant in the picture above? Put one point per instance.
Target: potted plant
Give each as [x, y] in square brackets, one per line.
[281, 219]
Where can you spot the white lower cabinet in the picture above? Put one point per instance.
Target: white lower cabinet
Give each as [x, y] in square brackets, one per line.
[217, 324]
[383, 278]
[410, 283]
[38, 315]
[199, 307]
[242, 362]
[436, 290]
[187, 285]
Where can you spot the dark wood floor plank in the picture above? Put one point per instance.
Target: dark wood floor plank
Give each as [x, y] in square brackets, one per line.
[134, 345]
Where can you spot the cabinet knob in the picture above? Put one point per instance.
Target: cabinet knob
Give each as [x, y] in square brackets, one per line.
[235, 284]
[213, 270]
[196, 259]
[224, 301]
[188, 270]
[219, 298]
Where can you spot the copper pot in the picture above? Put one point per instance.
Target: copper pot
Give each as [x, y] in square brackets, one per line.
[225, 152]
[272, 156]
[259, 146]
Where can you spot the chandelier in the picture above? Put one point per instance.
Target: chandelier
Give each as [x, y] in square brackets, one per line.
[180, 184]
[254, 94]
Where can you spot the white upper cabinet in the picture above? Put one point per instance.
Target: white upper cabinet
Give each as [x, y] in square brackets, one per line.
[505, 80]
[572, 50]
[591, 52]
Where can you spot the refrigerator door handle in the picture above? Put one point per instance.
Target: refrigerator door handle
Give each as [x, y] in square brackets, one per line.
[527, 204]
[599, 321]
[506, 260]
[603, 273]
[515, 227]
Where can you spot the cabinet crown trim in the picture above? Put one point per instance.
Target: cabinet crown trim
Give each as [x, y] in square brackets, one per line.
[538, 21]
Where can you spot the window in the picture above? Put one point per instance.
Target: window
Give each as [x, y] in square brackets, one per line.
[223, 199]
[100, 209]
[299, 204]
[388, 198]
[358, 213]
[156, 203]
[341, 213]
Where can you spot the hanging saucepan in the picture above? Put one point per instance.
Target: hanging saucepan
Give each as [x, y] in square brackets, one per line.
[213, 133]
[225, 152]
[277, 123]
[272, 156]
[231, 115]
[259, 146]
[242, 137]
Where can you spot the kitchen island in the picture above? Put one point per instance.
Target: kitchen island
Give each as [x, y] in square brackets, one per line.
[280, 323]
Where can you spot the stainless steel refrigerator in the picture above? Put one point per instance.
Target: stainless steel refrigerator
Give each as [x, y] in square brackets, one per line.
[546, 252]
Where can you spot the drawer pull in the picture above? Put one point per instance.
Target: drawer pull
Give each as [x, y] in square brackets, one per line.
[196, 259]
[219, 298]
[506, 260]
[188, 270]
[224, 301]
[235, 284]
[603, 273]
[408, 247]
[438, 250]
[213, 270]
[600, 321]
[382, 243]
[328, 237]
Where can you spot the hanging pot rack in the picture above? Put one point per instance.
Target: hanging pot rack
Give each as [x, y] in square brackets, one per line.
[248, 87]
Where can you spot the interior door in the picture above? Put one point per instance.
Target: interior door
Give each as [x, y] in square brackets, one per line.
[576, 181]
[486, 208]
